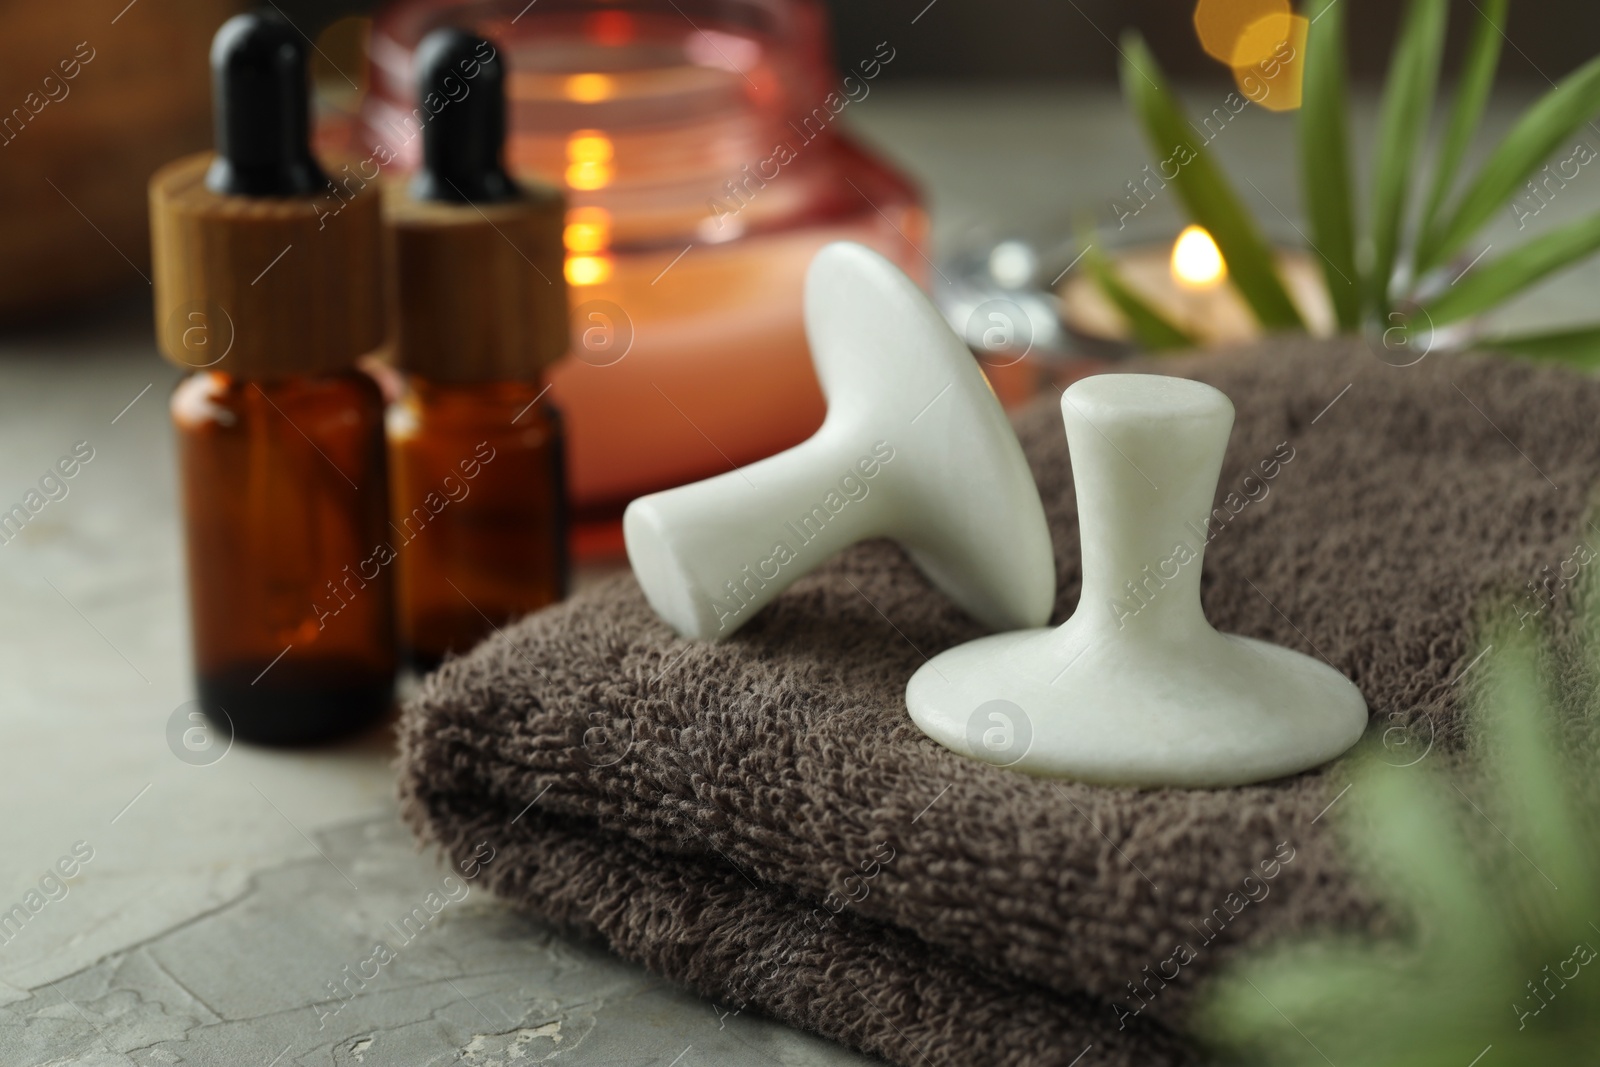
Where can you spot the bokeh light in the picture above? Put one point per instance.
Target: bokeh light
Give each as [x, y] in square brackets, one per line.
[589, 154]
[1221, 24]
[611, 28]
[588, 230]
[1273, 78]
[587, 237]
[587, 88]
[588, 270]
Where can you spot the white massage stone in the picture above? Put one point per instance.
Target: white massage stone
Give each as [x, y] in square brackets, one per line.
[914, 448]
[1136, 688]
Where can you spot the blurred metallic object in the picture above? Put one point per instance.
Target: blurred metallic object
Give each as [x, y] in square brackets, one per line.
[1001, 299]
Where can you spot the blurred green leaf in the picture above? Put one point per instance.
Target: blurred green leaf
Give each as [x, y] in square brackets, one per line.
[1402, 128]
[1481, 287]
[1539, 132]
[1577, 347]
[1494, 954]
[1407, 994]
[1325, 159]
[1472, 93]
[1205, 191]
[1151, 329]
[1411, 840]
[1532, 785]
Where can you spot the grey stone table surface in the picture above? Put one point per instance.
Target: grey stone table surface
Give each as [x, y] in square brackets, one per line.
[215, 910]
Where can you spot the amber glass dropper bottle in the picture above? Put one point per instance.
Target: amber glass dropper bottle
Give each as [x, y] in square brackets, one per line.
[268, 286]
[477, 467]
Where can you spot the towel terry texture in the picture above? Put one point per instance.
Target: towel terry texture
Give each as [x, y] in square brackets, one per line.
[761, 821]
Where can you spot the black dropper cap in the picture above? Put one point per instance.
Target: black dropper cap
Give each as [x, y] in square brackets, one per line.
[262, 99]
[462, 141]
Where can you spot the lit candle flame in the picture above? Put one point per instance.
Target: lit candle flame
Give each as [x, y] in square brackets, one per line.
[1197, 261]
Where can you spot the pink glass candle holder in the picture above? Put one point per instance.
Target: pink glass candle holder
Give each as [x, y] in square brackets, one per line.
[700, 146]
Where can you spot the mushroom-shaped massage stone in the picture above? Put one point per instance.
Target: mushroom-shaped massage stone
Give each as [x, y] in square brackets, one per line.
[914, 448]
[1136, 688]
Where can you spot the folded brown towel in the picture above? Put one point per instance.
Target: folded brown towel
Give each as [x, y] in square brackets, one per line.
[761, 820]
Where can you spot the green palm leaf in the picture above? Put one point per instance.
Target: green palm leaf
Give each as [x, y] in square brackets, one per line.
[1402, 126]
[1482, 287]
[1151, 329]
[1499, 957]
[1536, 135]
[1205, 192]
[1579, 347]
[1533, 784]
[1325, 160]
[1472, 94]
[1295, 1005]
